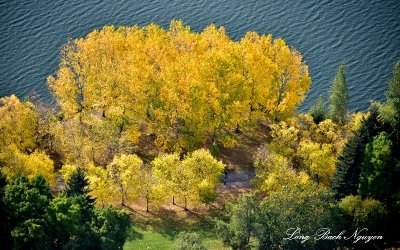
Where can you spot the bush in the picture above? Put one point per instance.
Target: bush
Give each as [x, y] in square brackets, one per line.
[189, 241]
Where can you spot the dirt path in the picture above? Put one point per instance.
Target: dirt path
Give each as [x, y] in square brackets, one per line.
[239, 180]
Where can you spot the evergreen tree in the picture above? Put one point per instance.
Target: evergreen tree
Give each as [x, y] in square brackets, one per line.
[78, 184]
[111, 227]
[317, 111]
[393, 93]
[391, 109]
[5, 230]
[377, 170]
[348, 166]
[69, 226]
[27, 202]
[339, 98]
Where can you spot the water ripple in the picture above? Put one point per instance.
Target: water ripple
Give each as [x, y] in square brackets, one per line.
[365, 36]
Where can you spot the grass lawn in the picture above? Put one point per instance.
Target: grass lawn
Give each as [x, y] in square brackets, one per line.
[150, 240]
[159, 229]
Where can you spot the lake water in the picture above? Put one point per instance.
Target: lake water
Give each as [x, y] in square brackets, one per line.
[363, 34]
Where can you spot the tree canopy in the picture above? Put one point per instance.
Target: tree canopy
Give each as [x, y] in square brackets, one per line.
[184, 87]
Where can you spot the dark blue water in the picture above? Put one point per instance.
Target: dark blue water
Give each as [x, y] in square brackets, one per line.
[364, 35]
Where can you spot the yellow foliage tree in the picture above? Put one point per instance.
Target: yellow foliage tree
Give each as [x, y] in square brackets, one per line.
[193, 179]
[37, 163]
[186, 88]
[18, 154]
[319, 160]
[306, 146]
[124, 171]
[18, 123]
[102, 187]
[164, 170]
[66, 171]
[274, 172]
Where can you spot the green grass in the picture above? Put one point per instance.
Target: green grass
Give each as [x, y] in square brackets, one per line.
[150, 240]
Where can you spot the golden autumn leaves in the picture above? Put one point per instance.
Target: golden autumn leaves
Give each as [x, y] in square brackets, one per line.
[18, 150]
[127, 179]
[185, 88]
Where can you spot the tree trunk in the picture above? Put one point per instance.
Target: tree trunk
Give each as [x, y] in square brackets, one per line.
[237, 130]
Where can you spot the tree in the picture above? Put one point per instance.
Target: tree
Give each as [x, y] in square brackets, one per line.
[339, 97]
[188, 241]
[17, 125]
[241, 224]
[284, 212]
[69, 223]
[377, 168]
[124, 173]
[193, 179]
[185, 88]
[18, 152]
[318, 111]
[78, 184]
[285, 139]
[146, 185]
[111, 227]
[103, 187]
[273, 172]
[390, 110]
[16, 162]
[368, 213]
[164, 167]
[345, 181]
[206, 173]
[318, 160]
[393, 93]
[35, 220]
[27, 201]
[5, 226]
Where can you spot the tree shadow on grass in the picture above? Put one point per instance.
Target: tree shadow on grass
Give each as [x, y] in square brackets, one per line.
[134, 235]
[169, 223]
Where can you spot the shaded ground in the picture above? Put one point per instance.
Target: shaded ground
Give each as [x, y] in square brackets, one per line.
[239, 161]
[241, 157]
[239, 180]
[159, 227]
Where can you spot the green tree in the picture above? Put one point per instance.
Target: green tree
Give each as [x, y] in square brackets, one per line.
[297, 207]
[78, 184]
[240, 226]
[318, 110]
[112, 227]
[391, 109]
[339, 97]
[5, 227]
[377, 169]
[27, 201]
[362, 213]
[348, 166]
[189, 241]
[69, 224]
